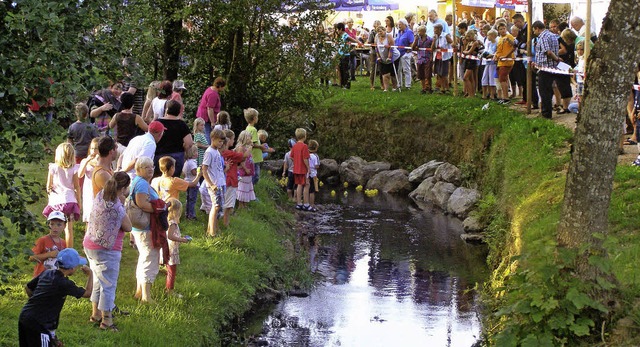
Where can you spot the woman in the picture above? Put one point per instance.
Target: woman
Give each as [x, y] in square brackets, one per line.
[441, 56]
[176, 139]
[104, 104]
[103, 247]
[373, 63]
[389, 58]
[126, 122]
[142, 194]
[210, 105]
[353, 33]
[566, 52]
[158, 104]
[390, 25]
[147, 110]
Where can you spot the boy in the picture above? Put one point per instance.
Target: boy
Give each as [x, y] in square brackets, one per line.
[300, 157]
[81, 133]
[47, 247]
[262, 136]
[168, 186]
[287, 170]
[314, 164]
[251, 116]
[213, 171]
[232, 159]
[40, 315]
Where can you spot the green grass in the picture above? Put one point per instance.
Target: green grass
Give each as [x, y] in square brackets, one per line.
[218, 279]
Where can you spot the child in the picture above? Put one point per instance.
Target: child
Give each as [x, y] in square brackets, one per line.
[245, 169]
[223, 122]
[300, 157]
[200, 139]
[40, 316]
[175, 239]
[168, 186]
[262, 136]
[213, 170]
[85, 171]
[81, 133]
[232, 159]
[287, 170]
[314, 164]
[64, 189]
[190, 171]
[488, 76]
[251, 116]
[47, 247]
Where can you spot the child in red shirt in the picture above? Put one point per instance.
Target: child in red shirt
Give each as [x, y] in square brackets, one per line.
[232, 159]
[300, 156]
[47, 247]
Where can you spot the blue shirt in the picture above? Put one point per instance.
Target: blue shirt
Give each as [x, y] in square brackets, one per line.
[546, 42]
[445, 27]
[344, 49]
[405, 38]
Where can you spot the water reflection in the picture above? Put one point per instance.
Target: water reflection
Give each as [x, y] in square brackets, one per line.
[392, 275]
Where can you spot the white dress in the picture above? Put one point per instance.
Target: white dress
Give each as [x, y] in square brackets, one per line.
[87, 193]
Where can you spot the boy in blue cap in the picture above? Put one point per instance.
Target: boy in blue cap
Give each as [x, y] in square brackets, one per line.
[47, 292]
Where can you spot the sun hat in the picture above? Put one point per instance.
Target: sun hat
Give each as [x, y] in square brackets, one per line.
[69, 258]
[179, 84]
[57, 215]
[156, 127]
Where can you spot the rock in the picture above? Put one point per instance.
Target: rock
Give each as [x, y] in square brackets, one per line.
[351, 170]
[462, 201]
[472, 224]
[275, 166]
[472, 238]
[441, 192]
[390, 181]
[371, 168]
[333, 180]
[448, 173]
[423, 192]
[328, 168]
[424, 171]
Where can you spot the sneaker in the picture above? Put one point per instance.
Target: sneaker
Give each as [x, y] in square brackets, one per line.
[299, 207]
[636, 162]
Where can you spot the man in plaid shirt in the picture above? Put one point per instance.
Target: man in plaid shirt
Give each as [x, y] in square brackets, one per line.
[547, 57]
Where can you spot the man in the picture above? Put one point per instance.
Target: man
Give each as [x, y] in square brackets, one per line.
[554, 25]
[141, 146]
[547, 57]
[521, 52]
[577, 24]
[405, 39]
[107, 150]
[433, 20]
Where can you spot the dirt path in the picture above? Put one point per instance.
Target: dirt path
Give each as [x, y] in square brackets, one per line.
[569, 120]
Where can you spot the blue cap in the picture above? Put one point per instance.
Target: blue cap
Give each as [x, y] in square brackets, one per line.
[69, 258]
[292, 142]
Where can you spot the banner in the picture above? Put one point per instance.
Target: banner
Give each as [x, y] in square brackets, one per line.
[480, 3]
[510, 3]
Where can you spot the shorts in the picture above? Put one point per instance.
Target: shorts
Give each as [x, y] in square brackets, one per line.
[217, 197]
[503, 73]
[300, 179]
[70, 209]
[312, 186]
[230, 197]
[470, 64]
[290, 184]
[564, 85]
[148, 257]
[441, 68]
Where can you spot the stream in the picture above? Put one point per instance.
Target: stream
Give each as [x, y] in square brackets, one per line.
[389, 274]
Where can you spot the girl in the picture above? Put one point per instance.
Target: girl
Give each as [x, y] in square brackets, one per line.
[147, 110]
[223, 122]
[200, 139]
[86, 170]
[190, 170]
[63, 188]
[245, 170]
[488, 79]
[472, 48]
[175, 239]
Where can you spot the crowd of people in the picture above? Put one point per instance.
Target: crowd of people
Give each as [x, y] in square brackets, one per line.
[123, 173]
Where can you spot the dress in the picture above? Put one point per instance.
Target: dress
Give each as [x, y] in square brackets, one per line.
[200, 138]
[245, 183]
[158, 106]
[87, 193]
[125, 127]
[62, 196]
[174, 247]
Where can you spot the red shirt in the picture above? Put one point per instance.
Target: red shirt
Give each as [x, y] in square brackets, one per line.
[299, 152]
[233, 158]
[45, 244]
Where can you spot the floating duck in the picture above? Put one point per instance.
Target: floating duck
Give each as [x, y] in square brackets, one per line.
[346, 184]
[371, 192]
[333, 193]
[320, 184]
[346, 193]
[359, 188]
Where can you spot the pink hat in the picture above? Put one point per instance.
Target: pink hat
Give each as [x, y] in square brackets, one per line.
[156, 127]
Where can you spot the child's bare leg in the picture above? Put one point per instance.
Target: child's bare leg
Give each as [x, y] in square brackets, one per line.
[212, 226]
[299, 191]
[306, 192]
[312, 199]
[68, 233]
[96, 315]
[225, 217]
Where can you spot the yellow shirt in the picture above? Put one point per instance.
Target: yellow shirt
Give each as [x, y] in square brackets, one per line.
[503, 48]
[169, 187]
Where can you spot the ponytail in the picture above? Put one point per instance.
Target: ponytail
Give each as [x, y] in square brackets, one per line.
[118, 181]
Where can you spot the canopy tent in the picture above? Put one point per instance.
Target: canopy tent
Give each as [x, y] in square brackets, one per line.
[365, 5]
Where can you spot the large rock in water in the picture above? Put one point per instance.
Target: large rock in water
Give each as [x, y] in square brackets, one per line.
[392, 181]
[351, 170]
[441, 193]
[423, 192]
[448, 173]
[357, 171]
[328, 168]
[275, 166]
[462, 201]
[472, 225]
[424, 171]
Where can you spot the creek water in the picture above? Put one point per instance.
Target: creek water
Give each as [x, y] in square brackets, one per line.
[389, 274]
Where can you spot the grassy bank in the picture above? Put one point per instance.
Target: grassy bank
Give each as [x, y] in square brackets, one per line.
[217, 278]
[520, 164]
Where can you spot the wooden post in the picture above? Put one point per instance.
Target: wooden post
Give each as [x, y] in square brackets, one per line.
[455, 54]
[587, 34]
[530, 75]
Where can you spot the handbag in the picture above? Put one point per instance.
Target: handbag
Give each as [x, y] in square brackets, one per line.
[139, 218]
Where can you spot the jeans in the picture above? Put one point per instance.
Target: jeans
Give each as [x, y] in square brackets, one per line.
[353, 62]
[105, 265]
[405, 74]
[192, 196]
[256, 174]
[345, 82]
[545, 85]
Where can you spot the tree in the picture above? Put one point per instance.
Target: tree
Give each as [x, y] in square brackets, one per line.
[589, 184]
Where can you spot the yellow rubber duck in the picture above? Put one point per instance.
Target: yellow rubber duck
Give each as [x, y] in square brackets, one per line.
[333, 193]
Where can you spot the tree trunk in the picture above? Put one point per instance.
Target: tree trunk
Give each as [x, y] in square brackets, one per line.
[610, 72]
[172, 33]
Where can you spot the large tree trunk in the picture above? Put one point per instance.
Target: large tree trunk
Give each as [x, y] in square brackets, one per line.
[610, 72]
[172, 33]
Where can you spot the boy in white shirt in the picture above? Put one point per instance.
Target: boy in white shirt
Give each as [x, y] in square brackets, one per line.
[214, 178]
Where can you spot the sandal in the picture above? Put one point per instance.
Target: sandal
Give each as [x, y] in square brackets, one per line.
[563, 111]
[118, 311]
[95, 320]
[629, 141]
[312, 209]
[111, 327]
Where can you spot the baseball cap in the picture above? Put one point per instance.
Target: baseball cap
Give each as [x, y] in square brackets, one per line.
[178, 84]
[57, 215]
[69, 258]
[156, 127]
[291, 142]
